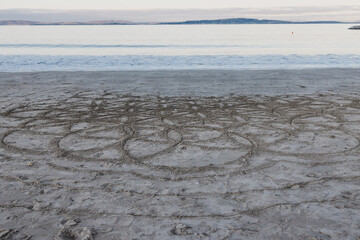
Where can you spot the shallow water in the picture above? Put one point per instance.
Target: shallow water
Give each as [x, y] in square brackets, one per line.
[36, 48]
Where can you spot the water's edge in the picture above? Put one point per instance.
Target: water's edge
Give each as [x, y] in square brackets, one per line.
[20, 63]
[192, 82]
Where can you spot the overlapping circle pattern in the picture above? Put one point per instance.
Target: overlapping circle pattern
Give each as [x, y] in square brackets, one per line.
[201, 149]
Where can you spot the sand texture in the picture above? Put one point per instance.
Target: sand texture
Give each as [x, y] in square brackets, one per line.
[78, 162]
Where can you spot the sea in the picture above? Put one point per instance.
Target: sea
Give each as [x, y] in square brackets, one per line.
[177, 47]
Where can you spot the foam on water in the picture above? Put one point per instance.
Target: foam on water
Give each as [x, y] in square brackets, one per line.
[17, 63]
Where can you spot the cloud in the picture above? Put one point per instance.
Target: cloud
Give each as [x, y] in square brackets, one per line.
[340, 13]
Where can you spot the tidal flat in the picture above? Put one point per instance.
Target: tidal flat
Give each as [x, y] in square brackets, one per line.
[180, 155]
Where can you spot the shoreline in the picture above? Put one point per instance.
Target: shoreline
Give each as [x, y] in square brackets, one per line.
[195, 82]
[187, 70]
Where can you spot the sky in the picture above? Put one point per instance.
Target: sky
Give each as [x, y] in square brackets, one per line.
[174, 10]
[169, 4]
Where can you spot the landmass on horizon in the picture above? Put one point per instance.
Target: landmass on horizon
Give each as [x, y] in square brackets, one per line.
[190, 22]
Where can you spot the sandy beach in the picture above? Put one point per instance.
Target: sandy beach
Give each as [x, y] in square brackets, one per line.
[180, 155]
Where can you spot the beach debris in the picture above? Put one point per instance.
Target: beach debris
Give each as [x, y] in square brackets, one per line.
[84, 234]
[311, 175]
[182, 230]
[5, 234]
[78, 234]
[355, 27]
[11, 234]
[30, 164]
[71, 222]
[37, 206]
[64, 234]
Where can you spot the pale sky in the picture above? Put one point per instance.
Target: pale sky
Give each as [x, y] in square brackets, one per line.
[179, 10]
[170, 4]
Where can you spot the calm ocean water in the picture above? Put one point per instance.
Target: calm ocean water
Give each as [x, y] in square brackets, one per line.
[41, 48]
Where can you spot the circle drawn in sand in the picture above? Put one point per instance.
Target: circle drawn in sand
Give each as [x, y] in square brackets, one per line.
[311, 142]
[188, 157]
[28, 141]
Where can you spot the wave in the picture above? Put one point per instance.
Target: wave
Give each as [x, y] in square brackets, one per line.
[17, 63]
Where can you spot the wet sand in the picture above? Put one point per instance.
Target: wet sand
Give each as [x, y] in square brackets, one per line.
[180, 155]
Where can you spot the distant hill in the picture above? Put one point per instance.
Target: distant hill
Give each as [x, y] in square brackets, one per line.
[17, 22]
[246, 21]
[22, 22]
[116, 22]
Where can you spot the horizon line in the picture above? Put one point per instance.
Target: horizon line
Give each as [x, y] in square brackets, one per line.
[188, 22]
